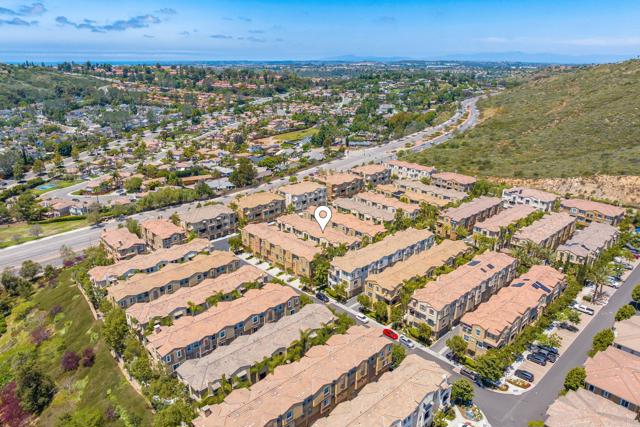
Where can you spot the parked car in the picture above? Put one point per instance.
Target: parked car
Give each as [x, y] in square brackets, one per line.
[584, 309]
[406, 341]
[322, 297]
[468, 373]
[568, 327]
[361, 317]
[548, 348]
[550, 357]
[525, 375]
[537, 358]
[390, 333]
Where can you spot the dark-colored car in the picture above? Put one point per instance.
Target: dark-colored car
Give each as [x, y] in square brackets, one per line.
[550, 357]
[525, 375]
[548, 348]
[568, 326]
[537, 358]
[467, 373]
[322, 297]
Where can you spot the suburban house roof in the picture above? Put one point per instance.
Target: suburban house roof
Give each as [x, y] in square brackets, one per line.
[286, 241]
[531, 193]
[416, 166]
[300, 188]
[257, 199]
[590, 239]
[454, 177]
[628, 333]
[616, 372]
[195, 215]
[364, 209]
[369, 169]
[338, 178]
[162, 228]
[311, 228]
[545, 227]
[589, 205]
[419, 187]
[505, 218]
[585, 409]
[351, 222]
[377, 198]
[469, 209]
[120, 238]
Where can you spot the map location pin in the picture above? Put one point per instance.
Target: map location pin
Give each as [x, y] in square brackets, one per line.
[322, 215]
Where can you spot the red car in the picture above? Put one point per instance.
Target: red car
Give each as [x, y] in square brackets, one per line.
[390, 333]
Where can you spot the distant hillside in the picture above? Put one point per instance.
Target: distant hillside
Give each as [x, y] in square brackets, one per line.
[20, 85]
[576, 123]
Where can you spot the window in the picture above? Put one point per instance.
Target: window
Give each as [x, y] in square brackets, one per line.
[167, 358]
[179, 353]
[624, 403]
[255, 319]
[289, 415]
[605, 394]
[326, 390]
[222, 334]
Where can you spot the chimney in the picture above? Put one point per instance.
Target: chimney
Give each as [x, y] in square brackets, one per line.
[156, 328]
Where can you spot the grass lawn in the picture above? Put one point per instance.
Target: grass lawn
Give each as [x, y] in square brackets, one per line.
[14, 234]
[296, 135]
[100, 386]
[57, 185]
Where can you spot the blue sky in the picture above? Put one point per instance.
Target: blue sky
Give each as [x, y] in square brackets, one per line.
[260, 30]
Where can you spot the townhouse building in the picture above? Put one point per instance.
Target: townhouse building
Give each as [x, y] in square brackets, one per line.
[280, 248]
[307, 229]
[162, 233]
[615, 375]
[500, 320]
[193, 299]
[373, 174]
[386, 285]
[628, 336]
[301, 195]
[548, 232]
[349, 224]
[540, 200]
[587, 244]
[386, 399]
[148, 287]
[587, 211]
[104, 275]
[453, 181]
[191, 337]
[442, 303]
[341, 184]
[210, 222]
[363, 211]
[301, 392]
[260, 207]
[406, 170]
[390, 204]
[353, 268]
[496, 226]
[203, 375]
[437, 194]
[121, 244]
[467, 215]
[582, 408]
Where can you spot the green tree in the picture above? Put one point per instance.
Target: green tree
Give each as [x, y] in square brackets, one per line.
[91, 417]
[457, 345]
[26, 207]
[398, 353]
[462, 391]
[235, 243]
[175, 218]
[491, 365]
[134, 227]
[174, 415]
[244, 174]
[424, 334]
[575, 378]
[115, 329]
[38, 167]
[380, 311]
[34, 388]
[625, 312]
[364, 301]
[635, 294]
[601, 341]
[30, 269]
[133, 185]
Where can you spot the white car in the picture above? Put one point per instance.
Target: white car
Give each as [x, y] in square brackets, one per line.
[406, 341]
[361, 317]
[584, 309]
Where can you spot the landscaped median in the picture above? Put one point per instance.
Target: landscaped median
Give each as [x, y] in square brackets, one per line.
[14, 234]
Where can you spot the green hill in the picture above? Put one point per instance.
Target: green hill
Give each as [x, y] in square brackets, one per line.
[559, 124]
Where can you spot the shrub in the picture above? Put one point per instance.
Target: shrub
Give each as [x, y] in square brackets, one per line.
[70, 361]
[55, 310]
[39, 335]
[88, 357]
[575, 378]
[625, 312]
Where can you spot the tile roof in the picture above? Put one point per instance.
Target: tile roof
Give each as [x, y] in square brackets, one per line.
[166, 304]
[383, 200]
[162, 228]
[469, 209]
[628, 333]
[531, 193]
[195, 215]
[338, 178]
[589, 205]
[287, 241]
[419, 187]
[505, 218]
[257, 199]
[312, 228]
[617, 372]
[189, 329]
[294, 382]
[351, 222]
[141, 283]
[120, 238]
[581, 408]
[392, 398]
[545, 227]
[364, 209]
[369, 169]
[146, 261]
[451, 286]
[247, 350]
[590, 239]
[300, 188]
[375, 251]
[415, 166]
[455, 177]
[418, 265]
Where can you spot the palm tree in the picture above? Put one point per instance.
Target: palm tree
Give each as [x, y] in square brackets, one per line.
[599, 274]
[193, 308]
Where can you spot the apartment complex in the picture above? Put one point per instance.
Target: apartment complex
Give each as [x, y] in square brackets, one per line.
[373, 174]
[162, 233]
[192, 337]
[548, 232]
[192, 299]
[341, 184]
[354, 267]
[408, 170]
[280, 248]
[581, 408]
[210, 222]
[540, 200]
[148, 287]
[349, 224]
[104, 275]
[408, 397]
[307, 229]
[363, 211]
[495, 226]
[304, 194]
[453, 181]
[587, 244]
[390, 204]
[386, 286]
[236, 359]
[121, 244]
[300, 393]
[467, 215]
[441, 304]
[628, 336]
[438, 193]
[498, 321]
[587, 211]
[260, 207]
[615, 375]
